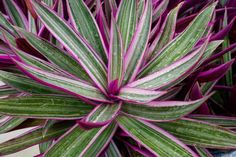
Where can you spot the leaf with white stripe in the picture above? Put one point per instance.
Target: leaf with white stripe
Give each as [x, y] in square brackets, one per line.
[126, 20]
[182, 44]
[80, 142]
[156, 140]
[137, 95]
[162, 110]
[202, 134]
[72, 86]
[84, 22]
[75, 44]
[10, 124]
[135, 52]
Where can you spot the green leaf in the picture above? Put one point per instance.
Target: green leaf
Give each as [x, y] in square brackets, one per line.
[162, 110]
[84, 22]
[182, 44]
[32, 138]
[156, 140]
[5, 90]
[10, 124]
[136, 50]
[159, 10]
[115, 62]
[167, 31]
[45, 107]
[112, 150]
[201, 134]
[23, 83]
[126, 20]
[75, 45]
[6, 24]
[43, 147]
[80, 142]
[203, 152]
[16, 14]
[72, 86]
[55, 55]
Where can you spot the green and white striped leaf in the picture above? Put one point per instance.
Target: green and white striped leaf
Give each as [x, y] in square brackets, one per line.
[72, 86]
[162, 110]
[182, 44]
[112, 150]
[115, 62]
[55, 55]
[6, 24]
[5, 90]
[201, 134]
[159, 10]
[126, 20]
[31, 138]
[84, 22]
[25, 84]
[16, 14]
[135, 53]
[49, 107]
[10, 124]
[203, 152]
[103, 114]
[156, 140]
[75, 44]
[80, 142]
[167, 31]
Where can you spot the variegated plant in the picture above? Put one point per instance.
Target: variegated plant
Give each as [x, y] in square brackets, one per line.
[100, 78]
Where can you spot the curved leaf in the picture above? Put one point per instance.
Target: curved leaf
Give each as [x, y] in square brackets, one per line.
[49, 107]
[80, 142]
[201, 134]
[156, 140]
[112, 150]
[10, 123]
[84, 22]
[162, 110]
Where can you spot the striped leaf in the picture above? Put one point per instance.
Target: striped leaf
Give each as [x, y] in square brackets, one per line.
[115, 62]
[10, 124]
[5, 90]
[162, 110]
[6, 24]
[167, 31]
[171, 74]
[23, 83]
[203, 152]
[80, 142]
[102, 115]
[126, 20]
[84, 22]
[71, 86]
[55, 55]
[112, 150]
[156, 140]
[136, 50]
[201, 134]
[182, 44]
[51, 107]
[31, 138]
[78, 48]
[16, 14]
[218, 120]
[137, 95]
[159, 10]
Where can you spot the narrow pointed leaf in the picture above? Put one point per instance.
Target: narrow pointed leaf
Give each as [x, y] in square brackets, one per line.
[203, 152]
[115, 62]
[6, 24]
[156, 140]
[167, 31]
[23, 83]
[159, 10]
[137, 95]
[182, 44]
[172, 73]
[102, 115]
[218, 120]
[55, 55]
[84, 22]
[126, 20]
[16, 14]
[136, 50]
[53, 107]
[6, 90]
[78, 48]
[112, 150]
[10, 123]
[72, 86]
[201, 134]
[162, 110]
[31, 138]
[80, 142]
